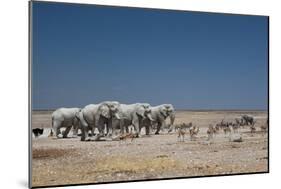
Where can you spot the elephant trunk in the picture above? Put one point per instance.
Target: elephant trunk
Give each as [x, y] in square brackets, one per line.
[172, 120]
[149, 117]
[116, 115]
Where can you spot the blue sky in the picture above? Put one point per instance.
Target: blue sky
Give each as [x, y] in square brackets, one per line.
[86, 54]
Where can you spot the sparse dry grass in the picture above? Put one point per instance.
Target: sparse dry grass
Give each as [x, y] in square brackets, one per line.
[50, 153]
[93, 170]
[125, 164]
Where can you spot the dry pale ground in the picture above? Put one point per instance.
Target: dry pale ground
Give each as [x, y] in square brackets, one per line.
[70, 161]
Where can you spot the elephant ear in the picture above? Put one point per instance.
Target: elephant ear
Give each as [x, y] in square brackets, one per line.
[171, 108]
[104, 111]
[79, 115]
[140, 111]
[167, 106]
[163, 111]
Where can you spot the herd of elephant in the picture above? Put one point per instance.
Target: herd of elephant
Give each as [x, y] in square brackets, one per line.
[108, 116]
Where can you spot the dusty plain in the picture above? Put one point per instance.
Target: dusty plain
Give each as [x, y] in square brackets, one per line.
[70, 161]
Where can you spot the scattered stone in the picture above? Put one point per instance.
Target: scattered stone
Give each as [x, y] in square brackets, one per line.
[207, 142]
[235, 138]
[162, 156]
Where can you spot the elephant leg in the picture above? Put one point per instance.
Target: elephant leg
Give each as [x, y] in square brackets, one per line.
[127, 128]
[84, 127]
[76, 127]
[122, 126]
[65, 133]
[88, 138]
[101, 130]
[152, 127]
[136, 126]
[114, 128]
[75, 131]
[93, 131]
[85, 134]
[171, 128]
[158, 128]
[56, 127]
[161, 124]
[58, 132]
[101, 127]
[140, 127]
[147, 132]
[122, 130]
[109, 129]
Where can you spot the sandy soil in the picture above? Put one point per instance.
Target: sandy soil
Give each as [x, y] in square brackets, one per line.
[70, 161]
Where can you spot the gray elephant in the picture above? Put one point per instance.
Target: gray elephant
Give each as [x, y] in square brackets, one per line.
[249, 120]
[159, 115]
[98, 116]
[134, 114]
[65, 118]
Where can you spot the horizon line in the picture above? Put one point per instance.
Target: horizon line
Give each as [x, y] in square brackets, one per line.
[181, 109]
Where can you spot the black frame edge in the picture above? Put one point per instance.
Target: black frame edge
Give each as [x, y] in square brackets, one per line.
[29, 94]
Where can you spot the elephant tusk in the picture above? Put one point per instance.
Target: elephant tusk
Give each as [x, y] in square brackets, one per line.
[117, 116]
[149, 117]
